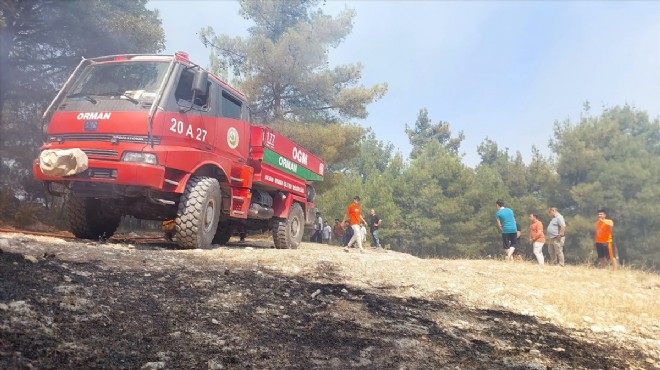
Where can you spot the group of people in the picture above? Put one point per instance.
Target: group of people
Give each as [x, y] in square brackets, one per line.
[351, 230]
[342, 232]
[322, 230]
[554, 236]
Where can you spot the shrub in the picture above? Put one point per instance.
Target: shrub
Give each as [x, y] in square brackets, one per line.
[26, 214]
[8, 205]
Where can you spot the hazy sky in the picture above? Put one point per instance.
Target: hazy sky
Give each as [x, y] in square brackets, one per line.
[503, 70]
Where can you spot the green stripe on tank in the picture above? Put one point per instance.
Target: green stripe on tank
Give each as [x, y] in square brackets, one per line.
[289, 166]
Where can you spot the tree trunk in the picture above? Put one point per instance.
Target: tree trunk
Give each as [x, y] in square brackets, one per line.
[278, 113]
[6, 44]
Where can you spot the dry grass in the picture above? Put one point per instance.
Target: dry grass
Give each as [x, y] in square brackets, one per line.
[572, 296]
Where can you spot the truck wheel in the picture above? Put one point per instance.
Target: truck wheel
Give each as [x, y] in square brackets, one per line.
[288, 233]
[198, 213]
[223, 234]
[91, 218]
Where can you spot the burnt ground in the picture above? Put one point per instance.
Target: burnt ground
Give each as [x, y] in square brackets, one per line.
[76, 305]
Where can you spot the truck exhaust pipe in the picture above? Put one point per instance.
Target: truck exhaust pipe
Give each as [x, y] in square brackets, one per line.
[260, 212]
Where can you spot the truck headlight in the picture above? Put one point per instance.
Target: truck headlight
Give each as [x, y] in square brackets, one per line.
[139, 157]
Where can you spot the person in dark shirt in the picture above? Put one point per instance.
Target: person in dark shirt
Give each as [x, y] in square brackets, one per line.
[374, 225]
[348, 234]
[318, 228]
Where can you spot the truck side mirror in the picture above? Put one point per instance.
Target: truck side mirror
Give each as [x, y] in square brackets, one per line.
[200, 82]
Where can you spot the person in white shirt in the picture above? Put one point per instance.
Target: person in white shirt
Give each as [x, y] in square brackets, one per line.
[363, 232]
[326, 233]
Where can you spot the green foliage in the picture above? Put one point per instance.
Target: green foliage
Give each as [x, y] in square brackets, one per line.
[542, 180]
[512, 170]
[333, 202]
[274, 18]
[613, 161]
[440, 207]
[374, 156]
[579, 245]
[283, 65]
[487, 187]
[433, 203]
[425, 132]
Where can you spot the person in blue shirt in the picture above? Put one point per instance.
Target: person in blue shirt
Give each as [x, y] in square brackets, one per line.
[506, 223]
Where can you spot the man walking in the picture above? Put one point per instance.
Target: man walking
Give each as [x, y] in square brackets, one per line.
[603, 241]
[318, 229]
[555, 236]
[374, 225]
[506, 223]
[536, 237]
[354, 215]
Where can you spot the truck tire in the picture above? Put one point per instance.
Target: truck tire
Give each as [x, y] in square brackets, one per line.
[91, 218]
[223, 234]
[288, 233]
[198, 213]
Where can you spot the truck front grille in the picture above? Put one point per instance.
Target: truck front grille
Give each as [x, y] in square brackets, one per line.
[98, 173]
[116, 138]
[101, 153]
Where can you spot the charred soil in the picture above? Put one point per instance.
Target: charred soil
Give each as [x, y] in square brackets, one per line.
[117, 304]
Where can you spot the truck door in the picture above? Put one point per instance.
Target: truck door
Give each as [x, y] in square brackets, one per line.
[232, 130]
[191, 122]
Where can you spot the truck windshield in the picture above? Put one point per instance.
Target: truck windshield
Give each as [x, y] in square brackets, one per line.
[131, 80]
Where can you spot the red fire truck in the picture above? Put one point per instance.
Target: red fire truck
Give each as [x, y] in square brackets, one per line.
[159, 138]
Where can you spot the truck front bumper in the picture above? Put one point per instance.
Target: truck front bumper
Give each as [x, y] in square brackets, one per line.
[112, 172]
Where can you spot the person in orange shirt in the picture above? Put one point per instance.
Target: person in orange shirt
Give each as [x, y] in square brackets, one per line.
[536, 237]
[354, 215]
[603, 241]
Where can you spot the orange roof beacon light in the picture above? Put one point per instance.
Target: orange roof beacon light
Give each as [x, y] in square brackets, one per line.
[182, 56]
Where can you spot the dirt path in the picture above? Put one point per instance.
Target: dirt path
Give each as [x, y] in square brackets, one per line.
[70, 304]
